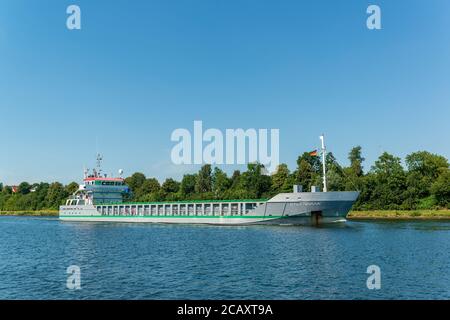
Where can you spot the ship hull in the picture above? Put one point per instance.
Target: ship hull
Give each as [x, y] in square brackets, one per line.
[293, 220]
[305, 212]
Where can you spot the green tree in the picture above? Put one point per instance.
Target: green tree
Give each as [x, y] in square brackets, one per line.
[335, 174]
[204, 183]
[135, 182]
[56, 195]
[24, 188]
[426, 163]
[40, 196]
[150, 185]
[7, 190]
[72, 187]
[309, 171]
[356, 160]
[220, 182]
[280, 179]
[235, 178]
[423, 169]
[254, 181]
[170, 186]
[389, 182]
[187, 187]
[440, 188]
[304, 174]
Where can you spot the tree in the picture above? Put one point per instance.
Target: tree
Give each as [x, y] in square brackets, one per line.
[389, 182]
[440, 188]
[423, 169]
[304, 174]
[203, 183]
[426, 163]
[7, 190]
[280, 179]
[309, 171]
[24, 188]
[170, 186]
[335, 174]
[235, 178]
[72, 187]
[425, 184]
[220, 182]
[150, 185]
[135, 181]
[187, 187]
[254, 182]
[40, 196]
[55, 195]
[356, 161]
[313, 161]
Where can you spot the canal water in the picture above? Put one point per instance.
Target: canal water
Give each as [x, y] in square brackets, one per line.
[146, 261]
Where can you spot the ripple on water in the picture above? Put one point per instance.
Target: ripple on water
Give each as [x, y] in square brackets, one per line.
[143, 261]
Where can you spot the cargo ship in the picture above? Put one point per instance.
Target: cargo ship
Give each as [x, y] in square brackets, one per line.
[101, 199]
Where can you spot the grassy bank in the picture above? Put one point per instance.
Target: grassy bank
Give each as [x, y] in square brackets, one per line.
[36, 213]
[400, 214]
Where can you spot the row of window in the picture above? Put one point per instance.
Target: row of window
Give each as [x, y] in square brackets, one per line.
[74, 202]
[105, 183]
[178, 209]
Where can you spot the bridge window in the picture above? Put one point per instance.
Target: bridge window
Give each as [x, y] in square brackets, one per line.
[249, 207]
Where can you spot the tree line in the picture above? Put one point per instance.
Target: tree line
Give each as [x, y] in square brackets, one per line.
[423, 184]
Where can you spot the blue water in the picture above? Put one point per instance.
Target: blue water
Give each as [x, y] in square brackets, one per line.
[143, 261]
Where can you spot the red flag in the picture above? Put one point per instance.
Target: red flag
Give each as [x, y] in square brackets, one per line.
[313, 153]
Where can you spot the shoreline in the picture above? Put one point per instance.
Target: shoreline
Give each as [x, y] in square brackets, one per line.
[443, 214]
[31, 213]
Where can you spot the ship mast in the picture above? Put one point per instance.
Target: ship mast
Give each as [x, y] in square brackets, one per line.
[99, 164]
[323, 164]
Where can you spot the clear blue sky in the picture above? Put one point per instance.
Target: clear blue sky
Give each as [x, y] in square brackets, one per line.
[137, 70]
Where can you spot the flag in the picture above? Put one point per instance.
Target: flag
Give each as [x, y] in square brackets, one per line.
[313, 153]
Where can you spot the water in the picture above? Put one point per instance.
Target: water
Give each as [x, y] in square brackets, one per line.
[144, 261]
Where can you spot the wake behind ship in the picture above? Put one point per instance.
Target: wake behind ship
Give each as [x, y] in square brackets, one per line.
[100, 199]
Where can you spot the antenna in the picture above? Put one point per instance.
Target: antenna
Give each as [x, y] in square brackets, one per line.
[99, 163]
[323, 164]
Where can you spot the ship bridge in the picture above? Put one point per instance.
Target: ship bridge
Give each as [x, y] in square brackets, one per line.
[104, 190]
